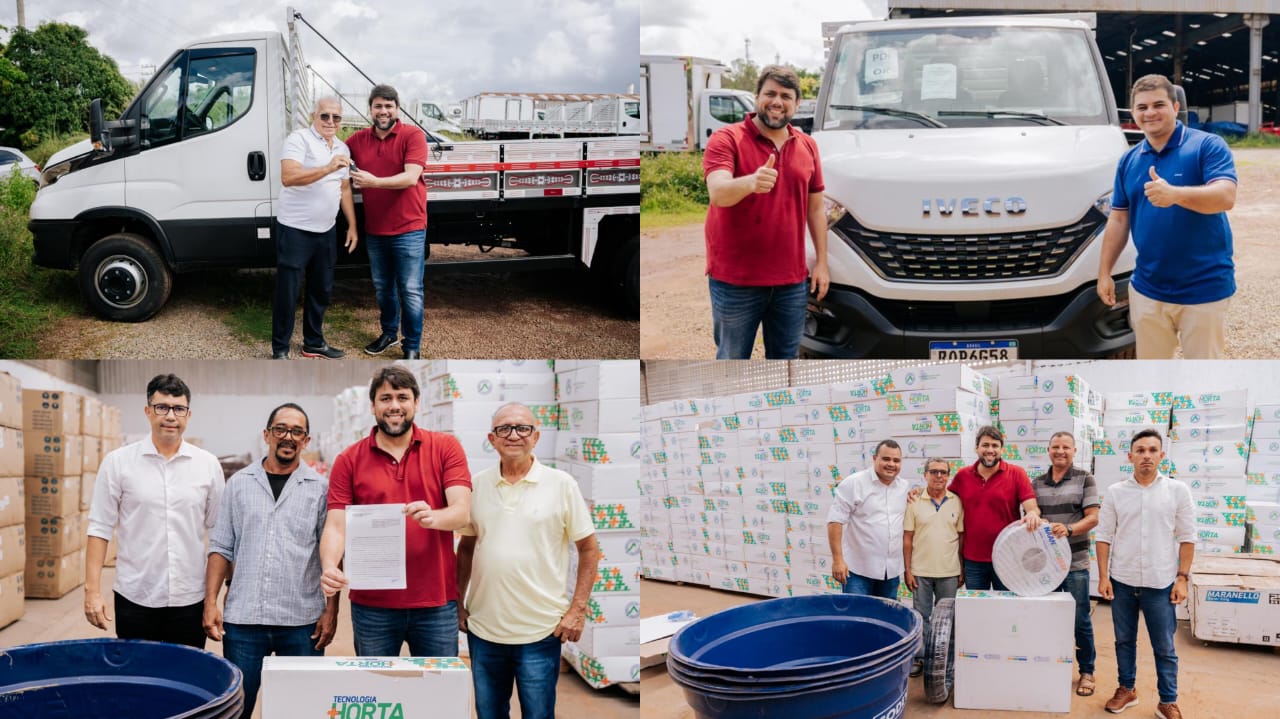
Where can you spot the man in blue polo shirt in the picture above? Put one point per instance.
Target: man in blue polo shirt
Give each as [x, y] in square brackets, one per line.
[1172, 191]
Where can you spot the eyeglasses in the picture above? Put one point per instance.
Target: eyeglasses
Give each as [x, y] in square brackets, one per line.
[937, 472]
[179, 410]
[327, 117]
[521, 430]
[280, 431]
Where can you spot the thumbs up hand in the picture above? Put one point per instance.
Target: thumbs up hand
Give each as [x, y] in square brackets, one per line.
[1159, 192]
[765, 177]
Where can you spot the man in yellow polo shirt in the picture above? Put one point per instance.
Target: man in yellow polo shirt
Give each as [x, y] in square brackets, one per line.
[515, 557]
[933, 546]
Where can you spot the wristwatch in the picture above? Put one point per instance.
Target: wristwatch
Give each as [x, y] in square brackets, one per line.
[1184, 575]
[1070, 531]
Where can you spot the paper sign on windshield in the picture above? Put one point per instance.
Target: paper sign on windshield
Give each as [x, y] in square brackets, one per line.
[938, 82]
[880, 64]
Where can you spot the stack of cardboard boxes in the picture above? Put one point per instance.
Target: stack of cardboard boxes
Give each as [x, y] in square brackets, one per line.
[1262, 483]
[1208, 450]
[54, 449]
[13, 531]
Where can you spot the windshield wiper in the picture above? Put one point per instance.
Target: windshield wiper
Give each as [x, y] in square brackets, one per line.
[917, 116]
[1004, 113]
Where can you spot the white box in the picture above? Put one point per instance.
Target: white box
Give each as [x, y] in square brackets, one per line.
[613, 611]
[603, 415]
[1121, 402]
[501, 387]
[924, 401]
[1024, 453]
[1209, 400]
[935, 423]
[1014, 653]
[619, 547]
[436, 368]
[611, 379]
[1140, 418]
[942, 445]
[1264, 464]
[1236, 600]
[869, 409]
[1207, 459]
[1042, 430]
[1265, 432]
[945, 376]
[1207, 433]
[409, 687]
[797, 434]
[852, 391]
[1210, 416]
[1266, 413]
[1041, 408]
[606, 480]
[602, 671]
[1044, 385]
[860, 430]
[602, 448]
[610, 641]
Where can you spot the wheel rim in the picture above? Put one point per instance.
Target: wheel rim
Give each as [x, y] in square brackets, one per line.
[120, 281]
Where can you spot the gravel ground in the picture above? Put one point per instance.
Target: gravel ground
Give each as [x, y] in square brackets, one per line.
[496, 316]
[676, 314]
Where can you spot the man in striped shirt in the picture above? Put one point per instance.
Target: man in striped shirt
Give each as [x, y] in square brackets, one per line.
[1068, 499]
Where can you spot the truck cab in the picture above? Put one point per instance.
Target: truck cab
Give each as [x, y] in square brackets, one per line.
[968, 164]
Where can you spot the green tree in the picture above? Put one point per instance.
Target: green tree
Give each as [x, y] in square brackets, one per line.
[742, 75]
[61, 73]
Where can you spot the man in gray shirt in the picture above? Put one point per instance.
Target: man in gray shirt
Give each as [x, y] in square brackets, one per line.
[268, 529]
[1068, 499]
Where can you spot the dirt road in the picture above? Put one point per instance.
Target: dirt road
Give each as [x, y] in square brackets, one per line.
[676, 313]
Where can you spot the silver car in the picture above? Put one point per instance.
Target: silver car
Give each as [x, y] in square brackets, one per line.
[11, 155]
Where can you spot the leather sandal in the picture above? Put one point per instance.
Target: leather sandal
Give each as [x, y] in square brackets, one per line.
[1085, 686]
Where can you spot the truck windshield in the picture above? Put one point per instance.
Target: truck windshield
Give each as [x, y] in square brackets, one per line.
[967, 76]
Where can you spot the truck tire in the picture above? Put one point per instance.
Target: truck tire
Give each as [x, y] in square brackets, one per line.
[123, 278]
[626, 265]
[939, 664]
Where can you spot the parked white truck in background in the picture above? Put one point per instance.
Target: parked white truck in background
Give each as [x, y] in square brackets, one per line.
[682, 103]
[521, 114]
[968, 164]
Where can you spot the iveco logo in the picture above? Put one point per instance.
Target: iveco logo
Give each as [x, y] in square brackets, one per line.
[970, 206]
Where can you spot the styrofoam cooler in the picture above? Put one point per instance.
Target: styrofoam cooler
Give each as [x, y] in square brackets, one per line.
[1014, 653]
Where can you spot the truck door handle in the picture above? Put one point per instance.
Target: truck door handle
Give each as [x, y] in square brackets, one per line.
[708, 132]
[257, 166]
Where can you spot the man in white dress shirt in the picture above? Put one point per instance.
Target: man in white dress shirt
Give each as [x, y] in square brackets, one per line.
[1145, 544]
[160, 496]
[864, 526]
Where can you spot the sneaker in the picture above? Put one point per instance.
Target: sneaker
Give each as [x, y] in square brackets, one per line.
[1168, 711]
[1124, 698]
[382, 344]
[412, 355]
[282, 354]
[324, 351]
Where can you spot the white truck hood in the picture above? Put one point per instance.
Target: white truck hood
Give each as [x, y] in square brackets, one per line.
[885, 177]
[66, 153]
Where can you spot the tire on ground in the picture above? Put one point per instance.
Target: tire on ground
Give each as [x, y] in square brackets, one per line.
[123, 278]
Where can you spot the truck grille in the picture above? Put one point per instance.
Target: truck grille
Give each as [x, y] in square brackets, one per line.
[959, 257]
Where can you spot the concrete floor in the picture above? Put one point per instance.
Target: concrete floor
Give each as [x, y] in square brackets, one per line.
[49, 620]
[1214, 681]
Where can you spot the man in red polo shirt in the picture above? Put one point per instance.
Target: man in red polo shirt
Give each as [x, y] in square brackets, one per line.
[399, 463]
[765, 183]
[390, 157]
[991, 492]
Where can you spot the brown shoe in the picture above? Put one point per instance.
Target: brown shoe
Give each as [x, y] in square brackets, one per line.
[1168, 711]
[1124, 698]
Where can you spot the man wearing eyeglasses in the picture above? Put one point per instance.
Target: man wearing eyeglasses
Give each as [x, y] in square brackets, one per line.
[400, 463]
[933, 546]
[160, 497]
[514, 557]
[268, 532]
[313, 170]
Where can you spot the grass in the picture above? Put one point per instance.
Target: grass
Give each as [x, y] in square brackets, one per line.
[42, 152]
[30, 298]
[671, 183]
[249, 317]
[1256, 139]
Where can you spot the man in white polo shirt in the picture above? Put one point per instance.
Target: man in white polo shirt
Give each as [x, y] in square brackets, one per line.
[864, 526]
[314, 172]
[515, 556]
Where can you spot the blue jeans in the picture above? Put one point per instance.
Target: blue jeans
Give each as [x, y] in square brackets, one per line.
[244, 645]
[534, 667]
[928, 591]
[430, 631]
[1161, 624]
[858, 584]
[397, 263]
[738, 311]
[982, 576]
[1077, 583]
[300, 253]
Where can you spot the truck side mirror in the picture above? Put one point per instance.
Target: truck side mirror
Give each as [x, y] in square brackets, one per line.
[101, 140]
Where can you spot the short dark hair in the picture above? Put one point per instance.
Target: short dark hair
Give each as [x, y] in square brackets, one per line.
[988, 431]
[780, 74]
[1155, 81]
[885, 443]
[168, 384]
[289, 405]
[937, 460]
[384, 92]
[1148, 432]
[396, 376]
[1063, 433]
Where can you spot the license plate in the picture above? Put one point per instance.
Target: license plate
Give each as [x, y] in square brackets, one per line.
[973, 351]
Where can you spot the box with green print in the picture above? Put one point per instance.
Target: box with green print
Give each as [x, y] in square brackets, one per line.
[601, 448]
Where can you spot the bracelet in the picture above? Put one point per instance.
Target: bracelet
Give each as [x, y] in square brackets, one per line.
[1184, 575]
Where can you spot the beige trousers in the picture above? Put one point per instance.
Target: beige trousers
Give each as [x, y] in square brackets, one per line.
[1158, 326]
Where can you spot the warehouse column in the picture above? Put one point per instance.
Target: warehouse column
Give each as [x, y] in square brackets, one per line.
[1255, 23]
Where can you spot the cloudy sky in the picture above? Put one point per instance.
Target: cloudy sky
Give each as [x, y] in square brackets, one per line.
[790, 31]
[438, 50]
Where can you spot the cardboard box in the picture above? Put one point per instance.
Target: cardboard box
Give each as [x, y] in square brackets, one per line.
[87, 481]
[54, 455]
[90, 417]
[599, 448]
[610, 641]
[1014, 653]
[50, 412]
[1041, 408]
[467, 386]
[935, 423]
[924, 401]
[602, 671]
[945, 376]
[1044, 385]
[54, 496]
[92, 454]
[1236, 600]
[1121, 402]
[436, 368]
[54, 536]
[10, 401]
[111, 422]
[1211, 400]
[13, 549]
[1211, 417]
[1180, 433]
[1042, 430]
[612, 611]
[341, 687]
[13, 505]
[12, 457]
[12, 596]
[50, 577]
[604, 415]
[1139, 418]
[611, 379]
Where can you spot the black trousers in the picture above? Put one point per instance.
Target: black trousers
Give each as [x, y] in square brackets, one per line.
[176, 625]
[302, 254]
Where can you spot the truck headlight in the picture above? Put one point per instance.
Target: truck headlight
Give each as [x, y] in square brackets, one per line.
[53, 173]
[1103, 203]
[835, 211]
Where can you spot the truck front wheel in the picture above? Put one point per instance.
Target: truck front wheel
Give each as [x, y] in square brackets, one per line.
[627, 276]
[123, 278]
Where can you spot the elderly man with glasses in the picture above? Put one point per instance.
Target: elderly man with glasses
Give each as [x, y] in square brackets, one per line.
[160, 497]
[933, 546]
[314, 169]
[514, 557]
[268, 533]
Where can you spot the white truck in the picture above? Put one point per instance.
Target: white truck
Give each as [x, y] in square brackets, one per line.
[682, 103]
[188, 178]
[437, 116]
[499, 115]
[968, 165]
